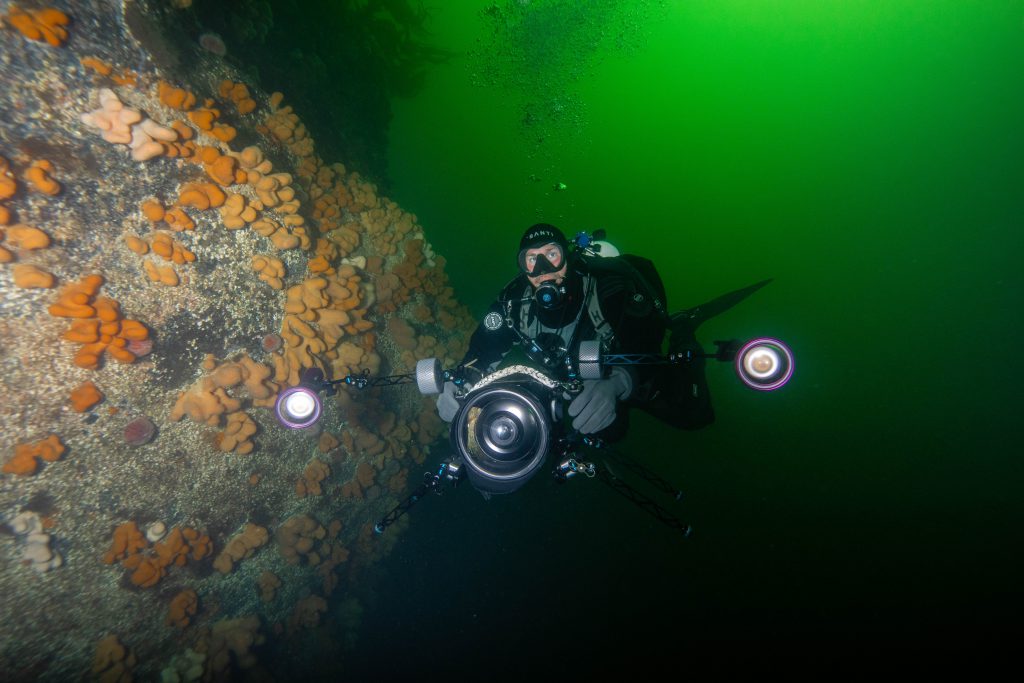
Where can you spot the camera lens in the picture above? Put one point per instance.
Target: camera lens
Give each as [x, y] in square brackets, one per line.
[504, 431]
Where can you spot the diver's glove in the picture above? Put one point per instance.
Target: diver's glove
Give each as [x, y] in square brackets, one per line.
[447, 405]
[594, 408]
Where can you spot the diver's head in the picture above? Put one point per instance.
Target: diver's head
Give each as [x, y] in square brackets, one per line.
[543, 255]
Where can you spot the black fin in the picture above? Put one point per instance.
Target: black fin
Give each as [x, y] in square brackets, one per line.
[692, 318]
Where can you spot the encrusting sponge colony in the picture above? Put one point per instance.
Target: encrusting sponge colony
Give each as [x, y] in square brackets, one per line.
[354, 287]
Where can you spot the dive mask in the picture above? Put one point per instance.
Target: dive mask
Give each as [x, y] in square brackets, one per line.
[550, 260]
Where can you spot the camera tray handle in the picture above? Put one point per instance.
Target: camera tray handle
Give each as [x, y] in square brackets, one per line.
[429, 376]
[590, 360]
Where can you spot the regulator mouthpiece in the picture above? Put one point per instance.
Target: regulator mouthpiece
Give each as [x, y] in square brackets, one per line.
[549, 295]
[764, 364]
[298, 407]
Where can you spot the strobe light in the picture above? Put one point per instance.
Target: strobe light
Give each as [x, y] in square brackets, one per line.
[764, 364]
[298, 407]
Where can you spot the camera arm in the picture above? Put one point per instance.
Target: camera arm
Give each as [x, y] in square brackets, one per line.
[449, 471]
[569, 466]
[764, 363]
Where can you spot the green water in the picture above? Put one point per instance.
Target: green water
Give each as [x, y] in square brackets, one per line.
[866, 155]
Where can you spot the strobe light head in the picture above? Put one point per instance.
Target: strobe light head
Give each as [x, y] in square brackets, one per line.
[764, 364]
[298, 407]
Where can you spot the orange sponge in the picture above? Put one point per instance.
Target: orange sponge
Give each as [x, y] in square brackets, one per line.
[38, 176]
[320, 264]
[136, 244]
[110, 333]
[83, 331]
[8, 186]
[239, 94]
[184, 131]
[223, 132]
[199, 544]
[201, 196]
[203, 118]
[183, 608]
[29, 277]
[42, 25]
[74, 299]
[153, 210]
[24, 461]
[133, 330]
[113, 661]
[107, 310]
[178, 220]
[237, 212]
[237, 434]
[176, 98]
[85, 397]
[127, 541]
[97, 65]
[165, 275]
[148, 570]
[222, 170]
[271, 270]
[26, 237]
[165, 246]
[173, 549]
[88, 356]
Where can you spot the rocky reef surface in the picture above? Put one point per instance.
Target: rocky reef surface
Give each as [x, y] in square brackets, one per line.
[173, 254]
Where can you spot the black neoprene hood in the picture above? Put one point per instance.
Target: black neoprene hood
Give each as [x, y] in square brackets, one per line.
[541, 234]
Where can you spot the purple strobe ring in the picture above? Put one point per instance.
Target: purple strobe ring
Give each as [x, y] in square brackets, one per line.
[292, 423]
[778, 347]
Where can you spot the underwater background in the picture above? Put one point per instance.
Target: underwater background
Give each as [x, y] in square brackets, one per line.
[869, 156]
[861, 522]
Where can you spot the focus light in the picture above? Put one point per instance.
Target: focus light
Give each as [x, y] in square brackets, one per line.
[764, 364]
[298, 407]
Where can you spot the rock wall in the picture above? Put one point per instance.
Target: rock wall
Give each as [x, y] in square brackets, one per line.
[174, 253]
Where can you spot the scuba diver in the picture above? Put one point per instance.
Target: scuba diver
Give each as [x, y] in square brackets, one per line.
[563, 297]
[568, 348]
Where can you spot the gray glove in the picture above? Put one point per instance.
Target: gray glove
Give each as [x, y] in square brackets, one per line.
[594, 408]
[447, 405]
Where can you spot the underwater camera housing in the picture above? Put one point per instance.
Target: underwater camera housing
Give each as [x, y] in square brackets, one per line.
[505, 425]
[509, 420]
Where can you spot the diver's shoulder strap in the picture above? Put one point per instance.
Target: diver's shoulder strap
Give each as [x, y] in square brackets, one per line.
[604, 330]
[626, 272]
[513, 289]
[635, 275]
[524, 311]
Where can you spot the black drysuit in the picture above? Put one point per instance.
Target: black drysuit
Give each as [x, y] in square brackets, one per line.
[631, 318]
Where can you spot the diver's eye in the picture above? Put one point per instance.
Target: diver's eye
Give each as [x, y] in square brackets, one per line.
[531, 260]
[554, 256]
